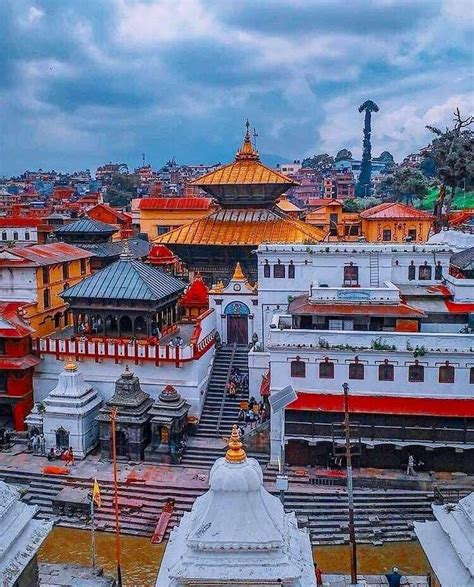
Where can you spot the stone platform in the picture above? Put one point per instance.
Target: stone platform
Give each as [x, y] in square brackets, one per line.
[57, 575]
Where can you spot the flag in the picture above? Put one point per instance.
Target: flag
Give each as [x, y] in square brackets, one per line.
[96, 493]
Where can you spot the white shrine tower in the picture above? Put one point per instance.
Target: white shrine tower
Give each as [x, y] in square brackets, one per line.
[71, 408]
[237, 534]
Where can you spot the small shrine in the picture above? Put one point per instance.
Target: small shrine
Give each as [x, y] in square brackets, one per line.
[237, 533]
[70, 412]
[169, 415]
[195, 299]
[236, 306]
[132, 428]
[20, 539]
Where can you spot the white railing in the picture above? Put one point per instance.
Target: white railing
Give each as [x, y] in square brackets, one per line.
[387, 294]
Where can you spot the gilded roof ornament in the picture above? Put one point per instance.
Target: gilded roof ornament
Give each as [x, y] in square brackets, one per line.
[238, 273]
[235, 452]
[247, 151]
[71, 365]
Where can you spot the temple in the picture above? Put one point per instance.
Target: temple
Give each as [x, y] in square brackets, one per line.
[248, 193]
[213, 546]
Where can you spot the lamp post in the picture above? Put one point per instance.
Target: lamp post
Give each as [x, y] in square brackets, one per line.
[113, 417]
[350, 493]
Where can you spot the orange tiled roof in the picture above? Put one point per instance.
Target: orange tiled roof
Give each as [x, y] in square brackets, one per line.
[246, 169]
[302, 306]
[242, 227]
[284, 204]
[175, 203]
[48, 254]
[395, 211]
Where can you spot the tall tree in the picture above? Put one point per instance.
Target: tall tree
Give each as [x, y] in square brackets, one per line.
[122, 188]
[343, 154]
[364, 182]
[322, 163]
[452, 152]
[405, 184]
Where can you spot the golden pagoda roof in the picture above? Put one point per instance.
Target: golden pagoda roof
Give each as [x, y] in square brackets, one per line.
[238, 273]
[245, 170]
[284, 204]
[234, 227]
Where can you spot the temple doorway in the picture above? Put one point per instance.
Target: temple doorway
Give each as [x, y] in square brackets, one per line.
[121, 443]
[6, 416]
[237, 315]
[62, 439]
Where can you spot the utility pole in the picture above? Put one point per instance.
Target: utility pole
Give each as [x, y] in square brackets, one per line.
[350, 493]
[113, 417]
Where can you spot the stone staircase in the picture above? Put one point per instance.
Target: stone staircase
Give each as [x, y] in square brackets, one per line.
[380, 516]
[209, 422]
[203, 457]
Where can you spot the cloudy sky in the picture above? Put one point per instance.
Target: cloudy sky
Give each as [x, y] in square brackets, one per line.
[88, 81]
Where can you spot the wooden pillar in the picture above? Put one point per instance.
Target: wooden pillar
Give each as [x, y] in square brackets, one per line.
[119, 326]
[75, 320]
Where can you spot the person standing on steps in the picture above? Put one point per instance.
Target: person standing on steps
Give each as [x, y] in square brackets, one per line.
[394, 578]
[318, 574]
[411, 465]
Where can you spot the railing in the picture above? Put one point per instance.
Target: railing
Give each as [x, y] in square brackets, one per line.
[229, 371]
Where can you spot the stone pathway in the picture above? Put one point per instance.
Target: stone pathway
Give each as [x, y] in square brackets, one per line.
[373, 581]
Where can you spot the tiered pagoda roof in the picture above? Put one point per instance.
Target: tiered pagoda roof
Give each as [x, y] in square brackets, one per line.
[86, 226]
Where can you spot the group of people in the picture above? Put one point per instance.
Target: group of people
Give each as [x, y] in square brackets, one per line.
[5, 438]
[238, 382]
[37, 444]
[176, 341]
[252, 412]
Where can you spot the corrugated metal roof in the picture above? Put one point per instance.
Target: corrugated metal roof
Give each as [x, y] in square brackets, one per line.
[87, 225]
[50, 254]
[243, 173]
[175, 203]
[252, 226]
[463, 259]
[138, 247]
[126, 279]
[301, 305]
[394, 211]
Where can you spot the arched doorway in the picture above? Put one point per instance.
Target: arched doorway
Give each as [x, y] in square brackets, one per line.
[237, 316]
[126, 326]
[121, 443]
[62, 439]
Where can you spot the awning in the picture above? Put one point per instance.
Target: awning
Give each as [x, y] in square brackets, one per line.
[18, 363]
[376, 404]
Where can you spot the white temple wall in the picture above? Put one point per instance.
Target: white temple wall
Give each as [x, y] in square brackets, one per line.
[259, 364]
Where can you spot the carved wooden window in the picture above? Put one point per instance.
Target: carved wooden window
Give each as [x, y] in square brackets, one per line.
[351, 275]
[356, 371]
[438, 271]
[298, 368]
[424, 272]
[266, 270]
[291, 270]
[411, 271]
[279, 271]
[386, 372]
[326, 370]
[416, 373]
[446, 374]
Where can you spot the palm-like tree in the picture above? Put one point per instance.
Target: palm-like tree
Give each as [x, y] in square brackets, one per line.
[363, 185]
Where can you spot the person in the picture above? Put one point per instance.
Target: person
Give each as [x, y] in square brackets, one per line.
[241, 415]
[35, 442]
[42, 445]
[252, 402]
[6, 439]
[251, 418]
[394, 578]
[69, 456]
[231, 389]
[411, 465]
[319, 577]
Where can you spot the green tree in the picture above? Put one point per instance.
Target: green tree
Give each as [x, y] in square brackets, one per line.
[406, 184]
[452, 153]
[351, 205]
[343, 154]
[322, 163]
[122, 189]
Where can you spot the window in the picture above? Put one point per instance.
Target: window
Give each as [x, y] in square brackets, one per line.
[416, 373]
[83, 266]
[386, 372]
[161, 230]
[439, 271]
[46, 298]
[291, 270]
[15, 236]
[66, 271]
[3, 380]
[351, 275]
[279, 271]
[266, 269]
[2, 347]
[356, 371]
[45, 272]
[4, 236]
[27, 236]
[424, 272]
[471, 375]
[333, 224]
[326, 370]
[387, 234]
[412, 234]
[446, 374]
[298, 368]
[411, 271]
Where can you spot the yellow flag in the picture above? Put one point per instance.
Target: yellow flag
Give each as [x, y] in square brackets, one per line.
[96, 493]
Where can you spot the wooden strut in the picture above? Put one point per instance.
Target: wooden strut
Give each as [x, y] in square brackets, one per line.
[113, 417]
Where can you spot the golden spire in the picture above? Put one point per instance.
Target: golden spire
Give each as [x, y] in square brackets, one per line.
[247, 152]
[71, 365]
[238, 273]
[235, 452]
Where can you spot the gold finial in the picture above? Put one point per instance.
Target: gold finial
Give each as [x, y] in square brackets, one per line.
[127, 373]
[71, 365]
[126, 254]
[235, 452]
[238, 273]
[247, 152]
[218, 288]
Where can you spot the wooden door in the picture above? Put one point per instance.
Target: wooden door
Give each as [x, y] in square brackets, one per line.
[237, 329]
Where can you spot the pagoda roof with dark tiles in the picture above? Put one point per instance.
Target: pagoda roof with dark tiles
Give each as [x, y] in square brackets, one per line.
[86, 226]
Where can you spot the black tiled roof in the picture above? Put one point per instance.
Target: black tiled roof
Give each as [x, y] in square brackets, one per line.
[86, 225]
[138, 247]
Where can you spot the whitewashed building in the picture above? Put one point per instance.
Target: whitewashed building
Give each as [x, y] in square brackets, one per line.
[237, 534]
[69, 417]
[448, 543]
[389, 321]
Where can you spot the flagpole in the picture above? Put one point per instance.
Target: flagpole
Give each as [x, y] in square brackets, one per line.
[113, 416]
[93, 552]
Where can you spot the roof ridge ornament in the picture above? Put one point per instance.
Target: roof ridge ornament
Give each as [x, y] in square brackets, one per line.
[70, 365]
[126, 254]
[235, 453]
[247, 151]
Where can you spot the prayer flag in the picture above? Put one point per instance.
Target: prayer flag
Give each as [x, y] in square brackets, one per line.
[96, 493]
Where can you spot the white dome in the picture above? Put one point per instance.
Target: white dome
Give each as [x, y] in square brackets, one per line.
[246, 476]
